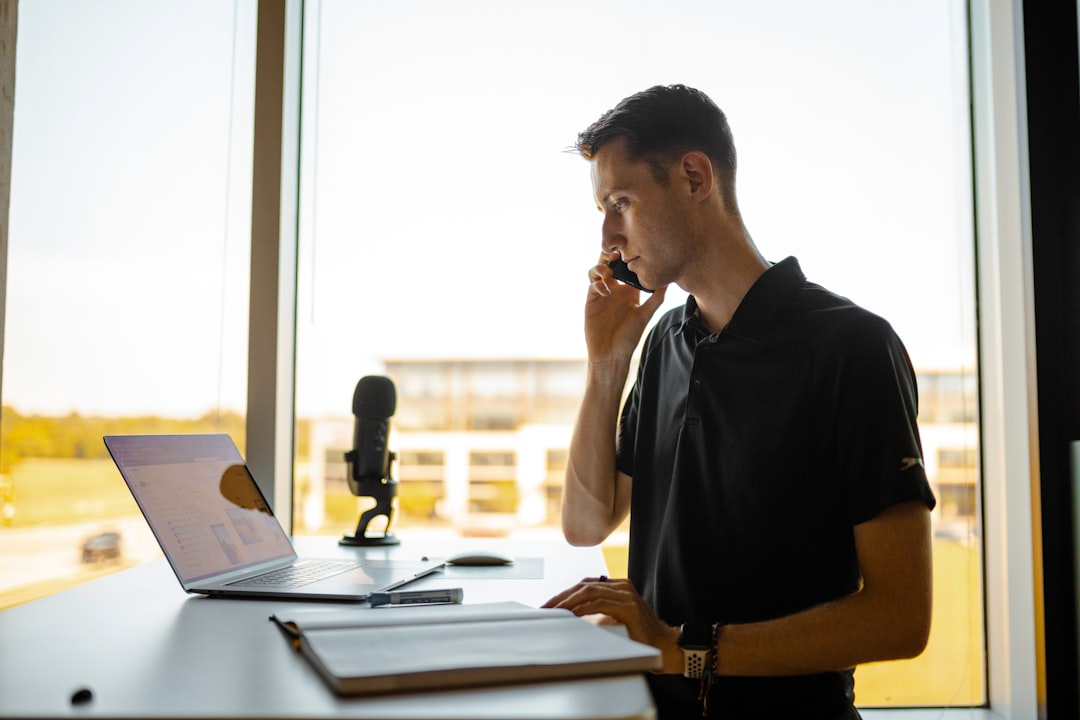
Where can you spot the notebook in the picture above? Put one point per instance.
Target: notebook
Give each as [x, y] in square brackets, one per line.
[447, 646]
[218, 532]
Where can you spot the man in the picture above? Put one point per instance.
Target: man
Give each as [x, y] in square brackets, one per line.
[767, 455]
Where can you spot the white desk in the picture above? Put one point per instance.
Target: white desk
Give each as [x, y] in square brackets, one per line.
[147, 649]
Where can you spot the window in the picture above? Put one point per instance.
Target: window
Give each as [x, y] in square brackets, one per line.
[437, 174]
[126, 306]
[445, 233]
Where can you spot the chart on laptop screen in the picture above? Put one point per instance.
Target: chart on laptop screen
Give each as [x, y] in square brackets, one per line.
[207, 514]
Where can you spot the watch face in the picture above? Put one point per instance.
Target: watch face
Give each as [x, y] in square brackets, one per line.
[695, 636]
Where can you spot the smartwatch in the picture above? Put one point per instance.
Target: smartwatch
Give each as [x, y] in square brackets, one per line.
[696, 640]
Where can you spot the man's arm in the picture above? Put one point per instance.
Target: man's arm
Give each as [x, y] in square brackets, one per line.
[596, 497]
[887, 619]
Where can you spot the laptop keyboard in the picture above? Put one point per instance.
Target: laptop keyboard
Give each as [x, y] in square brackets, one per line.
[302, 573]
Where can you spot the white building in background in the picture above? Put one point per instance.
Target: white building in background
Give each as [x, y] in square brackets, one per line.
[481, 447]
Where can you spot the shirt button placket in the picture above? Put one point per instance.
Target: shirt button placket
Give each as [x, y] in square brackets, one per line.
[696, 383]
[695, 378]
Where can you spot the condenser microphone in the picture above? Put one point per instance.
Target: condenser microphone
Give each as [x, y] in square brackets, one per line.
[374, 402]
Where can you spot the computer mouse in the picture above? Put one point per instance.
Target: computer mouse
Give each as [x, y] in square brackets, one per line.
[82, 696]
[479, 557]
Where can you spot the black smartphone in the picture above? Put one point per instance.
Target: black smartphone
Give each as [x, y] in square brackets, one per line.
[624, 274]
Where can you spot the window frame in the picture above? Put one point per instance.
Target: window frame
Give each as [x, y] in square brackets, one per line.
[1009, 421]
[275, 204]
[9, 21]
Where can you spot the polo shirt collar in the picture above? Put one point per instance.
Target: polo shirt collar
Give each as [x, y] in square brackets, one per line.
[751, 318]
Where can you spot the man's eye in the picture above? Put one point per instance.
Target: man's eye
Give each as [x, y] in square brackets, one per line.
[620, 204]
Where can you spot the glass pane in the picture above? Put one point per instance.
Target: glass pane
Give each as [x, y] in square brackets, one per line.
[446, 235]
[127, 276]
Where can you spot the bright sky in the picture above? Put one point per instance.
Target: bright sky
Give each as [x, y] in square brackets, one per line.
[441, 215]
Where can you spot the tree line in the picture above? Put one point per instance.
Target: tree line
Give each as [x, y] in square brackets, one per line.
[76, 436]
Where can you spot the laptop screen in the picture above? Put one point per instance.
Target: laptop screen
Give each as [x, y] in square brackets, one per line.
[201, 502]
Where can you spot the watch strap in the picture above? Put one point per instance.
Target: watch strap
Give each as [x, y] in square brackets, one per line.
[694, 663]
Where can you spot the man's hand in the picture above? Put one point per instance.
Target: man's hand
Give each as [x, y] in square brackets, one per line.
[617, 601]
[614, 316]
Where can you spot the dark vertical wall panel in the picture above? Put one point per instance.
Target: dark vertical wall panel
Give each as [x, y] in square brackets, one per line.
[1053, 99]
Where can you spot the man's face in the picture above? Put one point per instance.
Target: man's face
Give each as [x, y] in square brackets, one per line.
[644, 220]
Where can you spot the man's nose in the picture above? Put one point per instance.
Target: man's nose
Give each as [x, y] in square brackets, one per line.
[611, 236]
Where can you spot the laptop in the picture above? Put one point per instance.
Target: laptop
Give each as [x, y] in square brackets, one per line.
[218, 532]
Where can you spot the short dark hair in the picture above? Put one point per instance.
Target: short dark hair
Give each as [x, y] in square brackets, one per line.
[663, 123]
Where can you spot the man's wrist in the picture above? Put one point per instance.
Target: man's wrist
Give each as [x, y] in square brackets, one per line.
[670, 653]
[611, 372]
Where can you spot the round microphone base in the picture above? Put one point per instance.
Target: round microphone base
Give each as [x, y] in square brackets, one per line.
[365, 541]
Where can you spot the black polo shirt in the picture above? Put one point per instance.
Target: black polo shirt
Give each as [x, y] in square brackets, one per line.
[755, 451]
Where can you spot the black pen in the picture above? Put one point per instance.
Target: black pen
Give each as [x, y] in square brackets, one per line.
[417, 597]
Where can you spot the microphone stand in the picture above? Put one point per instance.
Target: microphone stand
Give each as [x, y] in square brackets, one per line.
[383, 491]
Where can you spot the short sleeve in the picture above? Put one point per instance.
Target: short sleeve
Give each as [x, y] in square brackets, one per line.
[877, 443]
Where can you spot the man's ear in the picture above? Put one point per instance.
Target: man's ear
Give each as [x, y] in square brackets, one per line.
[697, 169]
